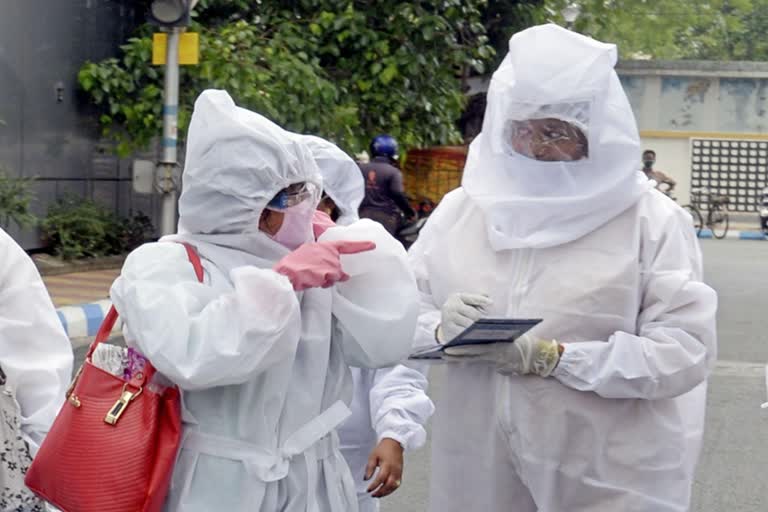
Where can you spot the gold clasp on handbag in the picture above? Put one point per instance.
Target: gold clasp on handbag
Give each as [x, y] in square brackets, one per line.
[117, 410]
[71, 396]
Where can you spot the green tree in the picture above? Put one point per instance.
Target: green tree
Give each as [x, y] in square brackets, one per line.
[342, 69]
[505, 17]
[675, 29]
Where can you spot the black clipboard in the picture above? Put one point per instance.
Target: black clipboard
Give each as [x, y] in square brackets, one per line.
[482, 332]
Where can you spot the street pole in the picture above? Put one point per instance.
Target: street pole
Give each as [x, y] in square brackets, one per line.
[169, 161]
[570, 14]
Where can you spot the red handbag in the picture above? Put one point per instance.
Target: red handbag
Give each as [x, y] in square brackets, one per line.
[113, 445]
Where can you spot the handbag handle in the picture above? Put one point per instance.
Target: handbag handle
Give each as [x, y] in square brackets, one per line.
[109, 321]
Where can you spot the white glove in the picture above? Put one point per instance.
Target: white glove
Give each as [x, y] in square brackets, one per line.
[459, 312]
[524, 356]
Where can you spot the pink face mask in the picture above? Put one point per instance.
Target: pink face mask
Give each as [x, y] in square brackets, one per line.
[297, 226]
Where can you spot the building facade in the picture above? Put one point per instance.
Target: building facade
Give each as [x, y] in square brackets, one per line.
[48, 130]
[707, 122]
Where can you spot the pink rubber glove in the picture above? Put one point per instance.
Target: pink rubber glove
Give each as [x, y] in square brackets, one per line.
[320, 222]
[318, 264]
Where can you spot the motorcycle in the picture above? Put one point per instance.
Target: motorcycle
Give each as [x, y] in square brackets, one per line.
[409, 230]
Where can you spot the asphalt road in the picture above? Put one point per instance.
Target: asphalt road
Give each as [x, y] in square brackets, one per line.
[733, 473]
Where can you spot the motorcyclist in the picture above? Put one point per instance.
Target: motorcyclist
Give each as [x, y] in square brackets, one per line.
[385, 200]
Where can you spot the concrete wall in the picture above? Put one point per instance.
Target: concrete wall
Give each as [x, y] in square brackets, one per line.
[43, 44]
[703, 96]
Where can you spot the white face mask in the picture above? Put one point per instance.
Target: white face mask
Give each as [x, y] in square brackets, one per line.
[297, 226]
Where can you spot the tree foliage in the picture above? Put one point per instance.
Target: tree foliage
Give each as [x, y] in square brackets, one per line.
[15, 199]
[675, 29]
[503, 18]
[342, 69]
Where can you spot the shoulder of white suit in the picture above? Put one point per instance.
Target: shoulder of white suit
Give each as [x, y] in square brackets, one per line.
[659, 207]
[453, 204]
[662, 215]
[155, 255]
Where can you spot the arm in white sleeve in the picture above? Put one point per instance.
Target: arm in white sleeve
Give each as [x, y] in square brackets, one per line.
[429, 312]
[377, 308]
[195, 336]
[400, 406]
[675, 345]
[35, 353]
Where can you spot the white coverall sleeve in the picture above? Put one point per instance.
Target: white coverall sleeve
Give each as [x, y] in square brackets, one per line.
[429, 312]
[376, 310]
[195, 336]
[675, 345]
[400, 406]
[35, 352]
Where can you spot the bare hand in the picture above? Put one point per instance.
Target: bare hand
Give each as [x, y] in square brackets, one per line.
[388, 457]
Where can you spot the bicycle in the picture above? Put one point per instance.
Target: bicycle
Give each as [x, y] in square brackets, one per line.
[717, 219]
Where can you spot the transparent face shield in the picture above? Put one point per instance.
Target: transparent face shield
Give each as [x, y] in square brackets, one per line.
[548, 133]
[294, 195]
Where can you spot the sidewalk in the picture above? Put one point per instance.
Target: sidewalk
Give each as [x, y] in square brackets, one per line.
[80, 287]
[81, 299]
[739, 229]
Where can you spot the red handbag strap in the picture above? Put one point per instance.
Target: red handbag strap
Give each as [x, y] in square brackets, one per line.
[109, 321]
[194, 258]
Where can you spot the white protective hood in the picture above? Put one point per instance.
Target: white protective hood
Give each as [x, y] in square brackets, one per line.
[236, 162]
[342, 179]
[551, 72]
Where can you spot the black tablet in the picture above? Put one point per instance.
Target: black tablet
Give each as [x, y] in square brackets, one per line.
[493, 330]
[485, 330]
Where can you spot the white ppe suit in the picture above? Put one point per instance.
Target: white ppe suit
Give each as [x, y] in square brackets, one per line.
[619, 424]
[35, 352]
[342, 180]
[263, 369]
[387, 402]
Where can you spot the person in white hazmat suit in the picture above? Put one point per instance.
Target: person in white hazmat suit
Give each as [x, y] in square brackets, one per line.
[554, 222]
[390, 406]
[261, 349]
[35, 352]
[343, 184]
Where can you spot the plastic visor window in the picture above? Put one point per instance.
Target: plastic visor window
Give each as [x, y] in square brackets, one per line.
[554, 132]
[286, 198]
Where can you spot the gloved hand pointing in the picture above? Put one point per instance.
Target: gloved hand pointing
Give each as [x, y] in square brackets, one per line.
[318, 264]
[459, 312]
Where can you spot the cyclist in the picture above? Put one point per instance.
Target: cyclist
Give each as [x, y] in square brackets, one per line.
[649, 159]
